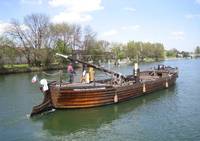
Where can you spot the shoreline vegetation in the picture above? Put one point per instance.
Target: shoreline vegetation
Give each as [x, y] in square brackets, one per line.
[25, 68]
[33, 43]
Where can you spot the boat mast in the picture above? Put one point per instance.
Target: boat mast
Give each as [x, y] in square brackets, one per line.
[91, 65]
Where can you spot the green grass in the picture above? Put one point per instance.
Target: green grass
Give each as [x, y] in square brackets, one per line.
[8, 66]
[147, 60]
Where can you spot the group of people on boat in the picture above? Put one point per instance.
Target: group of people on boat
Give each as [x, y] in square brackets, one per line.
[87, 74]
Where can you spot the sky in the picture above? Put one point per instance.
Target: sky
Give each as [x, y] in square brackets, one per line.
[175, 23]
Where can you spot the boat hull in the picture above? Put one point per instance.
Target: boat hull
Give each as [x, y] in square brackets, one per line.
[79, 95]
[92, 97]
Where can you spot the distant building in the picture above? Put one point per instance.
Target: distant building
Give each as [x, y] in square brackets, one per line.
[179, 55]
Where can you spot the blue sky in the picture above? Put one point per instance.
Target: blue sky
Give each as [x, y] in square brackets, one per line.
[175, 23]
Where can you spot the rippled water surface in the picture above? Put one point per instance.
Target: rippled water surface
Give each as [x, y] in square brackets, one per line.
[168, 115]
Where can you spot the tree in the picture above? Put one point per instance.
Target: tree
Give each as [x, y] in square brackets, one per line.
[66, 38]
[138, 51]
[96, 52]
[185, 54]
[32, 35]
[118, 51]
[171, 53]
[2, 52]
[158, 51]
[61, 32]
[39, 40]
[105, 47]
[131, 51]
[76, 37]
[89, 43]
[8, 51]
[18, 35]
[197, 50]
[62, 48]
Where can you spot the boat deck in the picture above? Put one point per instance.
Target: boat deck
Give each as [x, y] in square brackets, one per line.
[147, 78]
[143, 78]
[81, 85]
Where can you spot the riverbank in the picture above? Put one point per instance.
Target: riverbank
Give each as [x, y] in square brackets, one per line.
[24, 68]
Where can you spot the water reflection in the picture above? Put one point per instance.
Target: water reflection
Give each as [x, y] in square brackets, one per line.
[62, 122]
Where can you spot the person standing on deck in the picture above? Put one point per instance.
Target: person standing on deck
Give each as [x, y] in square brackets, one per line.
[83, 77]
[70, 71]
[91, 74]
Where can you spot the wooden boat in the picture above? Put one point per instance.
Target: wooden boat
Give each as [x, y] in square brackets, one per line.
[105, 92]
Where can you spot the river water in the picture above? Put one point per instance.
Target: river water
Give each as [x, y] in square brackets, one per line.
[167, 115]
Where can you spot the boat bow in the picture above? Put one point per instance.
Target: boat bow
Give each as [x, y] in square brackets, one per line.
[46, 104]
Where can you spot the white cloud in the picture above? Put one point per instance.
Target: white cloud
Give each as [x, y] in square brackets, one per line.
[192, 16]
[133, 27]
[109, 33]
[4, 27]
[38, 2]
[77, 5]
[177, 35]
[75, 10]
[121, 30]
[198, 1]
[130, 9]
[72, 17]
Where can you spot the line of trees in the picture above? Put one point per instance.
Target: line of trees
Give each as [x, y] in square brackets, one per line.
[139, 51]
[174, 53]
[197, 50]
[36, 40]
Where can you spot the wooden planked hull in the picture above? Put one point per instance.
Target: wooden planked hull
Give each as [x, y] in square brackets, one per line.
[82, 98]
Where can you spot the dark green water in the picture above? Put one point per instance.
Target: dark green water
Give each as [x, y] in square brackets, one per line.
[167, 115]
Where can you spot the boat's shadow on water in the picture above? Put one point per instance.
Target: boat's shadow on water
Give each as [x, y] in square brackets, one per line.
[61, 122]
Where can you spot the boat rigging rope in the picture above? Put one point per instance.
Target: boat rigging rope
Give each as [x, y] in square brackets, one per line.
[53, 74]
[51, 80]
